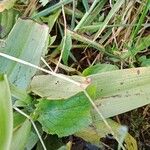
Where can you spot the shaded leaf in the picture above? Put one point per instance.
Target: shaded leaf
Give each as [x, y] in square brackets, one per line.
[52, 142]
[85, 4]
[52, 8]
[98, 129]
[51, 19]
[7, 20]
[99, 68]
[22, 97]
[28, 46]
[64, 117]
[145, 62]
[18, 120]
[6, 114]
[67, 45]
[32, 140]
[20, 136]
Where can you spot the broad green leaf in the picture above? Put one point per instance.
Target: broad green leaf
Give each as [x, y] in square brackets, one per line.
[27, 41]
[20, 136]
[52, 87]
[18, 119]
[98, 129]
[117, 91]
[99, 68]
[6, 114]
[64, 117]
[67, 45]
[7, 20]
[122, 90]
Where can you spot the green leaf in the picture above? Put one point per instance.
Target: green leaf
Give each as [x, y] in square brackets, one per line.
[20, 136]
[99, 68]
[85, 4]
[51, 19]
[6, 114]
[112, 12]
[7, 21]
[64, 117]
[97, 130]
[121, 90]
[18, 120]
[67, 45]
[89, 19]
[142, 44]
[140, 20]
[145, 63]
[52, 8]
[22, 96]
[52, 87]
[28, 45]
[32, 140]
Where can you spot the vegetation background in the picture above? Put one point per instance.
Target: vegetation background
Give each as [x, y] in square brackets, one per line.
[74, 74]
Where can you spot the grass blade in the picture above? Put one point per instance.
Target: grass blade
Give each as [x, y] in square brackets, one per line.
[6, 114]
[114, 9]
[52, 8]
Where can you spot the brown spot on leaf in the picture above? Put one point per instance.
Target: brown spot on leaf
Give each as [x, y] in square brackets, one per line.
[116, 96]
[138, 72]
[137, 94]
[121, 83]
[113, 96]
[57, 82]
